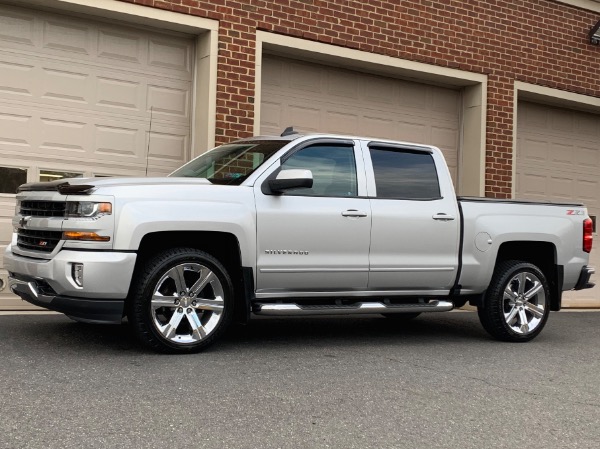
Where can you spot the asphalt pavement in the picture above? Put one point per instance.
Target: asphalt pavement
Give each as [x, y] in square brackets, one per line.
[437, 382]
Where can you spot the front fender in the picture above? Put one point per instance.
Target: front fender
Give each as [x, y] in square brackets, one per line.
[139, 218]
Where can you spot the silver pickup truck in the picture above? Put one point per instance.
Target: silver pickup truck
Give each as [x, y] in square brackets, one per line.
[292, 225]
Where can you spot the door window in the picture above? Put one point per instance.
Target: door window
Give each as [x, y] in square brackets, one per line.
[333, 168]
[405, 174]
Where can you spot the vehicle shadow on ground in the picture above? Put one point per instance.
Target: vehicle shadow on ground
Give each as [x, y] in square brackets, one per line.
[56, 331]
[456, 327]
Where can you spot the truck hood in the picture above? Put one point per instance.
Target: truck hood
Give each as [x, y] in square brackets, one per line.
[83, 186]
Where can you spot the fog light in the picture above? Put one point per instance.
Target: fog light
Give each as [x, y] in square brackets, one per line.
[77, 273]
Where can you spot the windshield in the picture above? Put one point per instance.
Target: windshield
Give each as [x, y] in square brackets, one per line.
[230, 164]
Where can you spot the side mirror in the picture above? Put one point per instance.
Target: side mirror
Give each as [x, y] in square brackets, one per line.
[291, 179]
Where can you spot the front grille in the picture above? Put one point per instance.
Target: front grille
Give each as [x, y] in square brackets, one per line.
[43, 208]
[44, 241]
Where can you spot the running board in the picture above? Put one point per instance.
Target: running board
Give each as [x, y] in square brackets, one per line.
[280, 309]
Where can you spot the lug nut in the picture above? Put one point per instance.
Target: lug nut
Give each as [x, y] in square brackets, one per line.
[189, 310]
[180, 310]
[176, 302]
[194, 303]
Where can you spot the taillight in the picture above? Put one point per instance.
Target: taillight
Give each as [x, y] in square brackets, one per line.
[588, 228]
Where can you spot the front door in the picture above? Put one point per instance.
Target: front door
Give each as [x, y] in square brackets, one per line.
[315, 240]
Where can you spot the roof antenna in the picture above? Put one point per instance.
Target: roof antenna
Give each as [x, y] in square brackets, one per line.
[149, 137]
[288, 131]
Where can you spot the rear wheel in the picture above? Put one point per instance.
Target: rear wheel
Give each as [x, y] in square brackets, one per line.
[181, 302]
[516, 306]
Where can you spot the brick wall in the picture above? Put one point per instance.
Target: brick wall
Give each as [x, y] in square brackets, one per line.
[535, 41]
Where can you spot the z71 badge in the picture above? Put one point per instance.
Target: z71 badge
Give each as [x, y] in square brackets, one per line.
[575, 212]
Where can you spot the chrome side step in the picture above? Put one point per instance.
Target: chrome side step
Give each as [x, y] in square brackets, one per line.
[279, 309]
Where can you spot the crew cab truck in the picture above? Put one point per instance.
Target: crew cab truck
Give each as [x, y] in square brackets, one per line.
[292, 225]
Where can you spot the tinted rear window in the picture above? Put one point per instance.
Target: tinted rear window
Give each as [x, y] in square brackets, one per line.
[404, 174]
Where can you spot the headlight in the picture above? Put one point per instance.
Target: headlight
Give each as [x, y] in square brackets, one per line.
[88, 209]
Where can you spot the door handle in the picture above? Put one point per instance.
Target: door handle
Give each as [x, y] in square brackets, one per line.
[443, 217]
[353, 213]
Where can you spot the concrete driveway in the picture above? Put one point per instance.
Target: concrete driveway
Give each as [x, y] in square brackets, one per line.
[439, 381]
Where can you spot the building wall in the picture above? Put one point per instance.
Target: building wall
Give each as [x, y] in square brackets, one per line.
[540, 42]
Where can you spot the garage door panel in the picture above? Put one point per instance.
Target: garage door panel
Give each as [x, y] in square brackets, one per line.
[587, 126]
[115, 141]
[301, 78]
[533, 150]
[413, 95]
[561, 188]
[381, 90]
[444, 100]
[168, 146]
[66, 85]
[14, 126]
[412, 132]
[561, 153]
[308, 118]
[341, 123]
[16, 78]
[120, 94]
[342, 84]
[381, 127]
[17, 28]
[62, 136]
[588, 191]
[587, 157]
[66, 36]
[121, 46]
[170, 55]
[562, 121]
[168, 101]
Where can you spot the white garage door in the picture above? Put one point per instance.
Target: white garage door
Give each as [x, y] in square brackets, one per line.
[558, 159]
[87, 98]
[318, 98]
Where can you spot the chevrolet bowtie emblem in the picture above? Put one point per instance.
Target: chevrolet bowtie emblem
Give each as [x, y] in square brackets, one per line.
[23, 221]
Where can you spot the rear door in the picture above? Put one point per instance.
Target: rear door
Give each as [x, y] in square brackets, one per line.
[415, 221]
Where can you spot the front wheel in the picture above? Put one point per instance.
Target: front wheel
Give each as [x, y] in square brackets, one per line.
[181, 302]
[516, 306]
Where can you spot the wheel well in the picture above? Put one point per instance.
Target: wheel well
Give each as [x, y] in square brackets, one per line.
[542, 255]
[223, 246]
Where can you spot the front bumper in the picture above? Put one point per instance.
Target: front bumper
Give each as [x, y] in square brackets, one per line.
[49, 283]
[88, 310]
[106, 274]
[584, 278]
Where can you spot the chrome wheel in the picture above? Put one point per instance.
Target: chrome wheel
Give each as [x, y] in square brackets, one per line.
[187, 303]
[517, 303]
[524, 303]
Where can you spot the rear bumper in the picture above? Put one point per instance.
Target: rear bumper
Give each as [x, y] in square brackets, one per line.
[88, 310]
[584, 278]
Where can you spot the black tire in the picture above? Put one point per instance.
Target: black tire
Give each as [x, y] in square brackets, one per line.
[178, 319]
[401, 317]
[517, 302]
